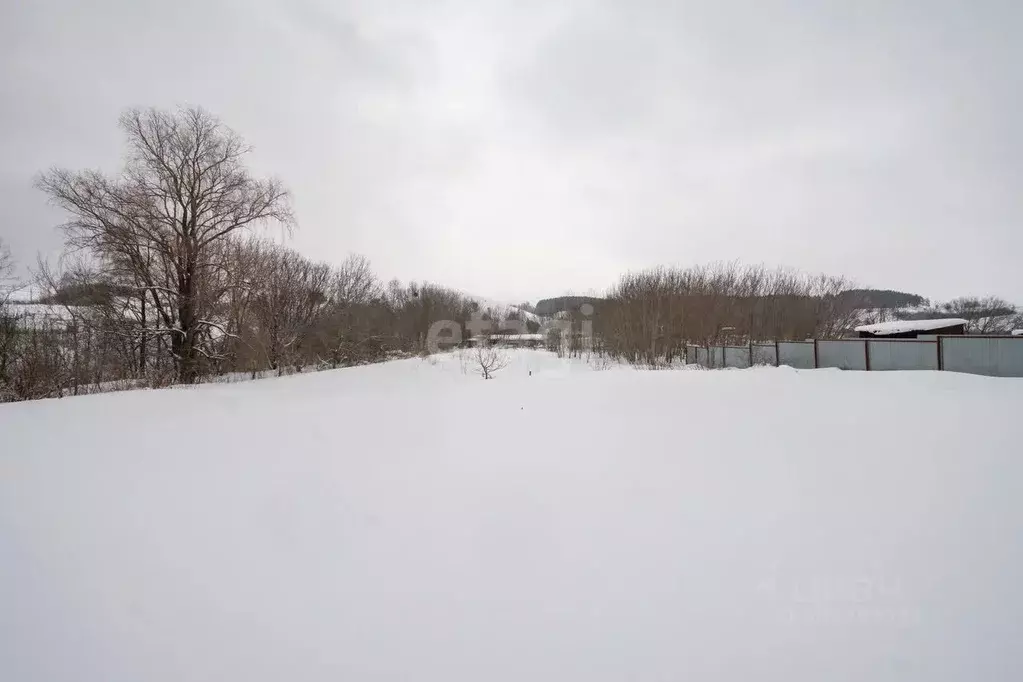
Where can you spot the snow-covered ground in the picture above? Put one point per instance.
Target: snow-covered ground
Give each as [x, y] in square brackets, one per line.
[409, 521]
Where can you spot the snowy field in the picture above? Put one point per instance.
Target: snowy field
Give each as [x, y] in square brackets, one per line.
[407, 521]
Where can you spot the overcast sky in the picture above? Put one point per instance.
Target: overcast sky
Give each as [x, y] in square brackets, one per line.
[519, 149]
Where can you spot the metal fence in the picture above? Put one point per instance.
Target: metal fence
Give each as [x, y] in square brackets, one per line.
[1000, 356]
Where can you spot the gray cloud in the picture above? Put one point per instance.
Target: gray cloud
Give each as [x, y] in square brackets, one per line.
[519, 149]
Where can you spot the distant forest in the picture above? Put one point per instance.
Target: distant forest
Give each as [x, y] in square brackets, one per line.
[559, 304]
[881, 298]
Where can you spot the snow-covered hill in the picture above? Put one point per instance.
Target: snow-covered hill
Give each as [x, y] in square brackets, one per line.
[410, 521]
[503, 309]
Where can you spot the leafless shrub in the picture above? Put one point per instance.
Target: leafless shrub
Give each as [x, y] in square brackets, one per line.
[601, 361]
[488, 358]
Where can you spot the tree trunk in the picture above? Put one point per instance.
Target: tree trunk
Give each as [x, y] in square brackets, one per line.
[183, 345]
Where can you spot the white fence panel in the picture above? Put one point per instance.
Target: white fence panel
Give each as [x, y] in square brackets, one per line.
[843, 354]
[693, 355]
[798, 354]
[989, 355]
[902, 354]
[992, 356]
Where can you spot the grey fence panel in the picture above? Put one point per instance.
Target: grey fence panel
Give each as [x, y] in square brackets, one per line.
[693, 355]
[845, 354]
[736, 356]
[1000, 357]
[993, 356]
[891, 355]
[764, 355]
[798, 354]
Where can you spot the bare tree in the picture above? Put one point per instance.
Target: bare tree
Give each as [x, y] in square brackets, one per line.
[987, 315]
[159, 224]
[353, 282]
[349, 330]
[488, 358]
[289, 294]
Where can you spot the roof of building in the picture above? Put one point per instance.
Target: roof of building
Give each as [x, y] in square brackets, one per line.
[902, 326]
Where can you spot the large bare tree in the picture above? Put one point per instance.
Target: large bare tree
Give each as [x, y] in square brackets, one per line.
[160, 226]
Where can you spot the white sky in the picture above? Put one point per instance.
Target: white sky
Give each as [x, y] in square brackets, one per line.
[524, 149]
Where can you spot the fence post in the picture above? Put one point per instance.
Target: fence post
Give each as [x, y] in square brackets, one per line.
[866, 354]
[816, 363]
[941, 358]
[777, 359]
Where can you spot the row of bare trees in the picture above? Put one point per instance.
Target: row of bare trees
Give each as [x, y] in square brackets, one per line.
[983, 314]
[167, 278]
[278, 312]
[650, 316]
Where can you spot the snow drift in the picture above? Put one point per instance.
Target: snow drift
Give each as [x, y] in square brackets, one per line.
[409, 521]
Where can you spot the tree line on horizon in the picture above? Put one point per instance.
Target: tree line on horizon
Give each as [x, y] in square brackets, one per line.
[650, 316]
[169, 276]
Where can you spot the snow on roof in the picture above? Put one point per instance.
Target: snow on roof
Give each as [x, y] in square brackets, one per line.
[1017, 332]
[900, 326]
